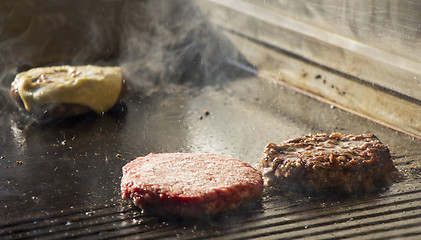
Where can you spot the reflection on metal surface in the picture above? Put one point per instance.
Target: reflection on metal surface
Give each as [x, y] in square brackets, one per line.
[294, 42]
[77, 190]
[69, 183]
[18, 136]
[378, 31]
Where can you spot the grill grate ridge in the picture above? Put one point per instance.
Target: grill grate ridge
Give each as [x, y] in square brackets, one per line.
[314, 233]
[316, 214]
[291, 221]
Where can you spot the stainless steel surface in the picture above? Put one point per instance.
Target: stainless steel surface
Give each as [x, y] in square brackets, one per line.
[67, 184]
[377, 40]
[61, 180]
[361, 51]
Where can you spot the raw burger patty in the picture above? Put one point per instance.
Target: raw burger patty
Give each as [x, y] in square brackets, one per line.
[189, 185]
[342, 163]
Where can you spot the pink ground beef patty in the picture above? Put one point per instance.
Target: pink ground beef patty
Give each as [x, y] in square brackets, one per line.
[189, 185]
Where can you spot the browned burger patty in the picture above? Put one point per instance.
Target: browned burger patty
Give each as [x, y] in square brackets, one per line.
[321, 162]
[57, 109]
[189, 185]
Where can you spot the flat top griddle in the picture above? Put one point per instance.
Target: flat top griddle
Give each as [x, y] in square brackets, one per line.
[61, 180]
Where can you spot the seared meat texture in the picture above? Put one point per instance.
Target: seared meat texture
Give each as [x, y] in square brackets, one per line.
[322, 162]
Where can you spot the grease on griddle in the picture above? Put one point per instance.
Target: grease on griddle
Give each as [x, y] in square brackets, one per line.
[206, 112]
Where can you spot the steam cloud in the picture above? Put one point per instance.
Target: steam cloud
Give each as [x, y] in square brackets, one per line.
[156, 42]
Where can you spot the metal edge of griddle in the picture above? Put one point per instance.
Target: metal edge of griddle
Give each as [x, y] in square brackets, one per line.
[264, 49]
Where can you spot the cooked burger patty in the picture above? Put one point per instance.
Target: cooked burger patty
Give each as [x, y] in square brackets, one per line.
[342, 163]
[189, 185]
[64, 91]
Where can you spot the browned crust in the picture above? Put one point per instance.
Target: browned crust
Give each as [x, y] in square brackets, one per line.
[361, 164]
[60, 110]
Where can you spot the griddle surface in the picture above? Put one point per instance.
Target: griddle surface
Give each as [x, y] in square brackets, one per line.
[62, 180]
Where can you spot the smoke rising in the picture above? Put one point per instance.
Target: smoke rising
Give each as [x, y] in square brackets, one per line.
[46, 32]
[171, 43]
[156, 42]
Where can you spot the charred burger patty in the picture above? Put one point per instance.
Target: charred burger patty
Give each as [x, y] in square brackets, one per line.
[189, 185]
[342, 163]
